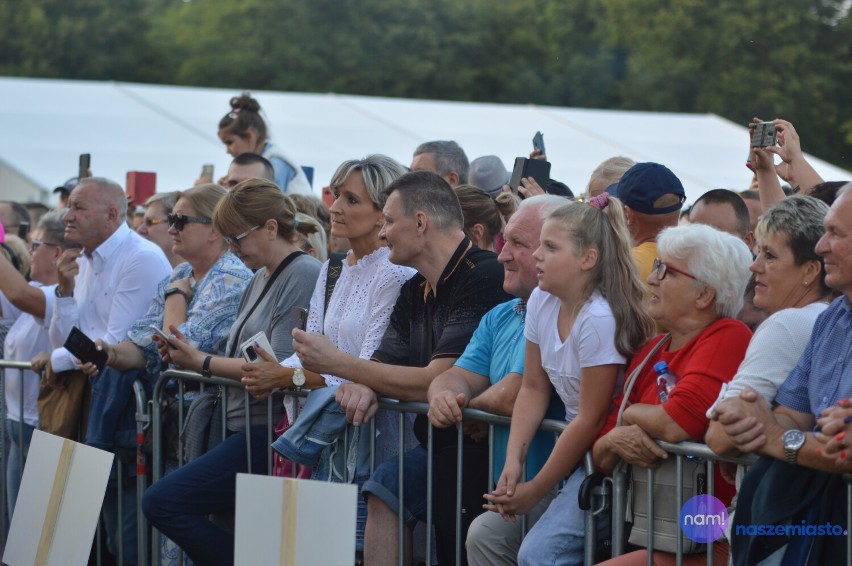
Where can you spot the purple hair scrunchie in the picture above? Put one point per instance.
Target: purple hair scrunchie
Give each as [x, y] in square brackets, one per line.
[600, 201]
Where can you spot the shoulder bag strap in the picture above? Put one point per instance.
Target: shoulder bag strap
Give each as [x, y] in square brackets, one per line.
[335, 266]
[281, 266]
[634, 375]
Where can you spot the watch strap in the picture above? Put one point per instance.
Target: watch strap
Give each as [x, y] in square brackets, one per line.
[175, 291]
[205, 367]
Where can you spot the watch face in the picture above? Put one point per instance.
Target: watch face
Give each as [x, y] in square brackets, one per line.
[298, 378]
[794, 439]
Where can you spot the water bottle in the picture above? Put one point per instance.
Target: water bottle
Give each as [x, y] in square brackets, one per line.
[665, 380]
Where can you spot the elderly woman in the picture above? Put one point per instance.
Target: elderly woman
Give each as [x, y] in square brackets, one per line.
[790, 286]
[30, 306]
[259, 224]
[697, 286]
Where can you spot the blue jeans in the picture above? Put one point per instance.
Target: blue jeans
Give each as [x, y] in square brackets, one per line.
[16, 461]
[384, 484]
[558, 538]
[178, 504]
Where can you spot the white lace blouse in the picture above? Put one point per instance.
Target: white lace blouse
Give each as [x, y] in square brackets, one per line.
[360, 306]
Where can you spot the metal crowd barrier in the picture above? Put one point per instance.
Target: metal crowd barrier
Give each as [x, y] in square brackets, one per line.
[141, 481]
[402, 408]
[149, 417]
[679, 451]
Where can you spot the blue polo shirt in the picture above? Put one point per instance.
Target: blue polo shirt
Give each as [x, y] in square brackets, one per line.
[823, 374]
[496, 349]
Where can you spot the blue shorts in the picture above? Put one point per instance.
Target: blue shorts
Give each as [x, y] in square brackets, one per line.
[384, 484]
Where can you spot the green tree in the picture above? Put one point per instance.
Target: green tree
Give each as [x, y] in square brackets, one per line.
[739, 59]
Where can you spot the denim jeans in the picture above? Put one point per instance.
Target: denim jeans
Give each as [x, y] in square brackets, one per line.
[178, 504]
[16, 461]
[558, 538]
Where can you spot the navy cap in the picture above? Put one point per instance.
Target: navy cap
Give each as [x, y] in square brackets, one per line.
[644, 183]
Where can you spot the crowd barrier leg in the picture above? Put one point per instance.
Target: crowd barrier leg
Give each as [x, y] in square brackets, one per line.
[8, 368]
[143, 423]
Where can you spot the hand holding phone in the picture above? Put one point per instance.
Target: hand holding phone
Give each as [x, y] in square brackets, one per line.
[535, 168]
[84, 348]
[164, 336]
[248, 348]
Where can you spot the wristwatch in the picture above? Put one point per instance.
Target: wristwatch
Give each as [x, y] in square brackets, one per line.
[298, 378]
[793, 441]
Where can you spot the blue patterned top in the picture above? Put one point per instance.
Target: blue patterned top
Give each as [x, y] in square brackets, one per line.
[209, 316]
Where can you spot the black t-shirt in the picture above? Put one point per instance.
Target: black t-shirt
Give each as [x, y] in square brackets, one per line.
[427, 324]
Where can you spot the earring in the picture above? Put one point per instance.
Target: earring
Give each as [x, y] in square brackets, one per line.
[807, 283]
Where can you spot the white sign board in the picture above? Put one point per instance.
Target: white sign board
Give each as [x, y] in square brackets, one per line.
[56, 514]
[290, 522]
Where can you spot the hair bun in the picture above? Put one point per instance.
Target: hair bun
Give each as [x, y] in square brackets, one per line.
[245, 102]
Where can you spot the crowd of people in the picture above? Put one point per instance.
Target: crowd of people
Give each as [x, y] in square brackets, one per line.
[438, 283]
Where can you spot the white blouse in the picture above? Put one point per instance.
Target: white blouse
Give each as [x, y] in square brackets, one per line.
[360, 306]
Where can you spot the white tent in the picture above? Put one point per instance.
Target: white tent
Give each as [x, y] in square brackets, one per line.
[171, 130]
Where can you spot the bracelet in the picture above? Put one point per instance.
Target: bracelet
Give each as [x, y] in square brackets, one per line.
[175, 291]
[59, 294]
[205, 367]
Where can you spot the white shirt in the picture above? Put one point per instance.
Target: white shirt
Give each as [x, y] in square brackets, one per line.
[774, 350]
[112, 290]
[590, 343]
[360, 307]
[27, 337]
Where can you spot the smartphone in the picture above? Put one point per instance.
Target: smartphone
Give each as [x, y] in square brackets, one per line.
[300, 318]
[84, 166]
[247, 348]
[207, 172]
[162, 335]
[538, 143]
[764, 135]
[84, 348]
[535, 168]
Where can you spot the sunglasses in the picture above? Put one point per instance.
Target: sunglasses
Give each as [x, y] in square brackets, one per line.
[36, 244]
[661, 269]
[154, 221]
[234, 241]
[179, 221]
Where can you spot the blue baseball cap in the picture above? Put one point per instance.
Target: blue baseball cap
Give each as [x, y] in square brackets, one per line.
[644, 183]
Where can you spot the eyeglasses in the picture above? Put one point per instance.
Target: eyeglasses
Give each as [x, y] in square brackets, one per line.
[154, 221]
[661, 268]
[36, 244]
[179, 221]
[234, 241]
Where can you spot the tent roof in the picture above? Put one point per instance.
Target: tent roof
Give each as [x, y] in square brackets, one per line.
[172, 130]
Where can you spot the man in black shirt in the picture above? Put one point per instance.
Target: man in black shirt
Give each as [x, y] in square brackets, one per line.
[433, 320]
